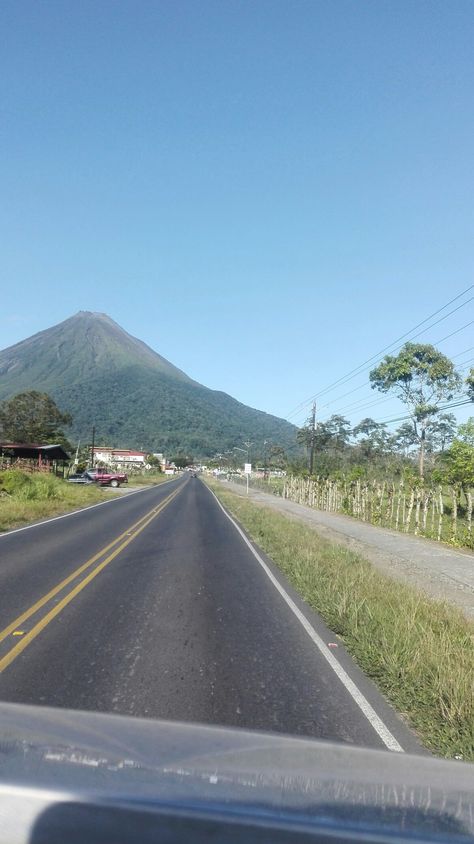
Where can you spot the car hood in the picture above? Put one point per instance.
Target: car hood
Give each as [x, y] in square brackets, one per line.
[54, 763]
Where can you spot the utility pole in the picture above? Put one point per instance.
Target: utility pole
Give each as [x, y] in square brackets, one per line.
[265, 443]
[312, 429]
[92, 446]
[247, 444]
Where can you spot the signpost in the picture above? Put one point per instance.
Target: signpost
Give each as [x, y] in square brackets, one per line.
[248, 472]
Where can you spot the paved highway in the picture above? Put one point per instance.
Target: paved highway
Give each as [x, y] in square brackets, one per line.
[154, 604]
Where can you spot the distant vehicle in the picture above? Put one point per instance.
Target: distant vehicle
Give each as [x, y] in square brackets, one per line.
[100, 476]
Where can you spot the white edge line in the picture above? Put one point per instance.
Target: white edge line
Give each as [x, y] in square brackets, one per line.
[81, 510]
[380, 728]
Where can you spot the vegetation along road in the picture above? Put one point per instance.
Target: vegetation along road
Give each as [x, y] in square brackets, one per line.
[156, 604]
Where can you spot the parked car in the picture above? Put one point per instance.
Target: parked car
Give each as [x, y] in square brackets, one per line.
[104, 477]
[80, 478]
[99, 476]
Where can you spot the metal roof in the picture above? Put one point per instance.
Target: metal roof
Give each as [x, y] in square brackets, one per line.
[51, 452]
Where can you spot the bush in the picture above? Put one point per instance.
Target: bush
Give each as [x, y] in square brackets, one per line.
[13, 480]
[25, 487]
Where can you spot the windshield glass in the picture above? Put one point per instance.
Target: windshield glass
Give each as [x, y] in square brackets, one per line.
[239, 306]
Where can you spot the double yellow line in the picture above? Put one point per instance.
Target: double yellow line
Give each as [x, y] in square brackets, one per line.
[117, 544]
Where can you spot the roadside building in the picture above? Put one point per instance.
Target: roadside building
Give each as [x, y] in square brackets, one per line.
[33, 457]
[121, 458]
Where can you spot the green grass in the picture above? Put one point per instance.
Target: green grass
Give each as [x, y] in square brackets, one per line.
[26, 498]
[419, 651]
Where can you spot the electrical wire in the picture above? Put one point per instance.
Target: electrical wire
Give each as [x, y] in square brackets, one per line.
[439, 409]
[358, 369]
[447, 337]
[346, 407]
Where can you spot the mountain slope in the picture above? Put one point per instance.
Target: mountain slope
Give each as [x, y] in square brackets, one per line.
[134, 397]
[70, 352]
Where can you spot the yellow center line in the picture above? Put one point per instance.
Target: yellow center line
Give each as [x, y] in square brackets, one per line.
[130, 533]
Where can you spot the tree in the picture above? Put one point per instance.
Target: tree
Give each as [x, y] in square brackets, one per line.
[154, 462]
[339, 430]
[332, 435]
[33, 417]
[470, 384]
[422, 378]
[458, 463]
[366, 426]
[373, 437]
[404, 438]
[277, 457]
[303, 436]
[182, 460]
[306, 436]
[441, 431]
[466, 431]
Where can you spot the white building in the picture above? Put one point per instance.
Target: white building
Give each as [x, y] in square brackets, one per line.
[121, 458]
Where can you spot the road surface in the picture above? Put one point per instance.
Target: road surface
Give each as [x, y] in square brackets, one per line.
[154, 604]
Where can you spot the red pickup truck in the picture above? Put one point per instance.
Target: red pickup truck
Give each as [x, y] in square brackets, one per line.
[106, 478]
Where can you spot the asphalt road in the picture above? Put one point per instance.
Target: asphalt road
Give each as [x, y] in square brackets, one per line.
[153, 604]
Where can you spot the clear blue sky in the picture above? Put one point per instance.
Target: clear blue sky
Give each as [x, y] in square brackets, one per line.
[267, 193]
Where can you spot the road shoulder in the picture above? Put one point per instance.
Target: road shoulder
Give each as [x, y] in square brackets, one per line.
[442, 573]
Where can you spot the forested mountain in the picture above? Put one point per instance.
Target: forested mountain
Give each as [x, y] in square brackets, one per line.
[135, 398]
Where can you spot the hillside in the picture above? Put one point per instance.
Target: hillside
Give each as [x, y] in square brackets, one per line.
[135, 398]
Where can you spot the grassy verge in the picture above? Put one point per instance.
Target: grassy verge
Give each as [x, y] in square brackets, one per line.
[26, 498]
[29, 498]
[420, 652]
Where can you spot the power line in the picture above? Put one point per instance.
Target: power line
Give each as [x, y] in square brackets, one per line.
[455, 332]
[464, 364]
[357, 370]
[441, 340]
[441, 320]
[349, 393]
[362, 368]
[462, 353]
[463, 327]
[442, 407]
[363, 404]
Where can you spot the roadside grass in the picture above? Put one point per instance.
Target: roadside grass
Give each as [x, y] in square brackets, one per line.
[420, 652]
[27, 498]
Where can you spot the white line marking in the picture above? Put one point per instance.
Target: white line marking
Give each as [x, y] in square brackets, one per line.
[82, 510]
[380, 728]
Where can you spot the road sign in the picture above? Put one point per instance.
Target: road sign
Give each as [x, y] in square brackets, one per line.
[248, 468]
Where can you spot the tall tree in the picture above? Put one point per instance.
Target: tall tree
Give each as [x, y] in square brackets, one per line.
[277, 457]
[339, 429]
[318, 438]
[33, 417]
[422, 377]
[466, 431]
[458, 462]
[470, 384]
[372, 437]
[404, 438]
[441, 431]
